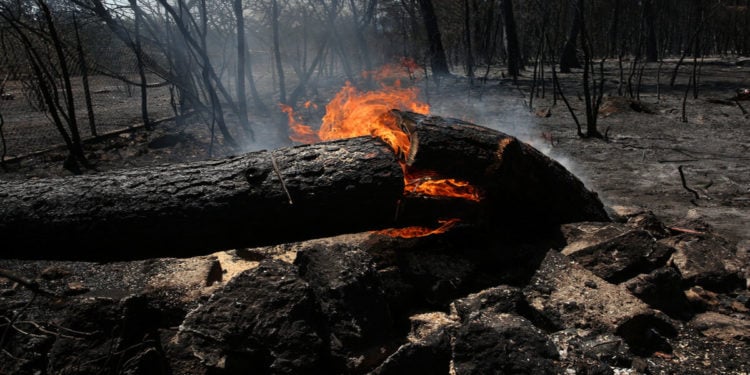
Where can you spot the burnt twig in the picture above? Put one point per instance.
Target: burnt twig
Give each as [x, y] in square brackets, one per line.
[744, 112]
[278, 174]
[567, 104]
[13, 320]
[684, 183]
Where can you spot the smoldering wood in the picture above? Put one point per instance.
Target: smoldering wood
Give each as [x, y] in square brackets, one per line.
[182, 210]
[522, 186]
[290, 194]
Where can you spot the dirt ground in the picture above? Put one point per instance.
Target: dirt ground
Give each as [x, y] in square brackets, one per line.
[637, 165]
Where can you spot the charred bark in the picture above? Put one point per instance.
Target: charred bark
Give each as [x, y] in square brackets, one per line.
[523, 187]
[264, 197]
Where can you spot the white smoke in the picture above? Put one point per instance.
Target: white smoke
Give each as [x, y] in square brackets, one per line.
[504, 109]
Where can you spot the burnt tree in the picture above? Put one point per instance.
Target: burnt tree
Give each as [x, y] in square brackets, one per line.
[511, 36]
[438, 61]
[652, 52]
[569, 56]
[138, 49]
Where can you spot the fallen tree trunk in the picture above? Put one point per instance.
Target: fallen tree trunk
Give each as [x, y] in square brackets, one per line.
[292, 194]
[265, 197]
[523, 187]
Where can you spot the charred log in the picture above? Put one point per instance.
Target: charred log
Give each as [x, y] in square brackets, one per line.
[259, 198]
[292, 194]
[523, 187]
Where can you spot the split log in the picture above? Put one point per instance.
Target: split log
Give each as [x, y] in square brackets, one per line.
[265, 197]
[523, 187]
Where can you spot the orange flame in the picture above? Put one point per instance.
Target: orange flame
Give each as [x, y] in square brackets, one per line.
[444, 187]
[299, 132]
[413, 232]
[309, 104]
[354, 113]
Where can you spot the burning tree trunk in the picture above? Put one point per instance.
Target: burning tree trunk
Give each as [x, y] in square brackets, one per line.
[180, 210]
[523, 187]
[486, 178]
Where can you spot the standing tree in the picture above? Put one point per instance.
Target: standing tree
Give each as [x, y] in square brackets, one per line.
[652, 53]
[241, 64]
[569, 56]
[467, 40]
[137, 48]
[511, 35]
[438, 61]
[277, 50]
[362, 20]
[592, 92]
[84, 77]
[47, 57]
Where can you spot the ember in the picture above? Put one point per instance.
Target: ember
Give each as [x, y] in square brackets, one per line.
[413, 232]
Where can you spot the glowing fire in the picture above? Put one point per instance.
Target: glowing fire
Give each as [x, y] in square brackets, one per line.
[413, 232]
[299, 132]
[444, 187]
[354, 113]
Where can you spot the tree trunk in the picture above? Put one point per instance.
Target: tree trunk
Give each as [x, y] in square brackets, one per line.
[77, 148]
[277, 50]
[264, 197]
[467, 41]
[511, 35]
[307, 74]
[259, 105]
[47, 88]
[241, 65]
[614, 40]
[361, 22]
[85, 79]
[523, 187]
[652, 53]
[438, 61]
[568, 57]
[139, 62]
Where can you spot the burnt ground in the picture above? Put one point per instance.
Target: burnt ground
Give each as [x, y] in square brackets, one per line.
[636, 166]
[647, 142]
